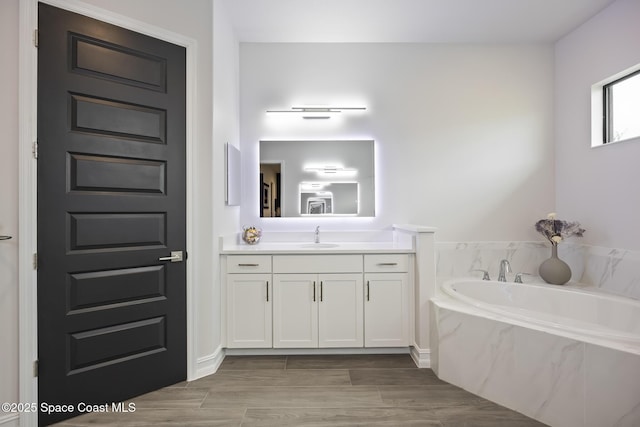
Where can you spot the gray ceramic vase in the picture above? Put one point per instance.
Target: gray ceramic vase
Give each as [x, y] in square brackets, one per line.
[554, 270]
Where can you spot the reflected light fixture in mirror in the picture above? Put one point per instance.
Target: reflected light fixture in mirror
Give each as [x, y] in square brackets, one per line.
[332, 170]
[329, 198]
[311, 112]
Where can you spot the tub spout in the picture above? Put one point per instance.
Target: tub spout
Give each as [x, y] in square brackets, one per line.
[505, 268]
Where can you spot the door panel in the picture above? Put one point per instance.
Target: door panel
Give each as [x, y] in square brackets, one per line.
[99, 58]
[99, 347]
[295, 311]
[117, 119]
[340, 321]
[386, 310]
[116, 174]
[249, 302]
[121, 286]
[111, 202]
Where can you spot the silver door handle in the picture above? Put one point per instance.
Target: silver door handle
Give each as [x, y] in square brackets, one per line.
[176, 256]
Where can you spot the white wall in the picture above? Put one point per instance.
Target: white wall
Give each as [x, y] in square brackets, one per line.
[9, 202]
[597, 186]
[226, 219]
[464, 133]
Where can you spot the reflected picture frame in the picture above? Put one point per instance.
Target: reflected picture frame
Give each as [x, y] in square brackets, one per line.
[266, 195]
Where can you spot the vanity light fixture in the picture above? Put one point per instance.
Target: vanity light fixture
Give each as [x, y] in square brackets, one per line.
[317, 111]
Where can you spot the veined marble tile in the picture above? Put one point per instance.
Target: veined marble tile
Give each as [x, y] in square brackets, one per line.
[477, 354]
[460, 259]
[625, 274]
[551, 374]
[597, 270]
[612, 388]
[611, 270]
[574, 255]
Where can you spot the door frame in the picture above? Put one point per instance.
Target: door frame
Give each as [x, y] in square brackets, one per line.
[27, 187]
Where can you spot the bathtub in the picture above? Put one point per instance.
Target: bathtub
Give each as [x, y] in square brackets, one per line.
[558, 354]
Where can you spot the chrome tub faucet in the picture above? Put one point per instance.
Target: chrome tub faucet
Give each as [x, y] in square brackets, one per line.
[505, 268]
[316, 237]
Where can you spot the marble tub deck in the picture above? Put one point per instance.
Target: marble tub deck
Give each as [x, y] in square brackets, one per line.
[336, 390]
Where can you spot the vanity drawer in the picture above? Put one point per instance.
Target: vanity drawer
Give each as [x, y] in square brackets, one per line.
[249, 264]
[381, 263]
[317, 263]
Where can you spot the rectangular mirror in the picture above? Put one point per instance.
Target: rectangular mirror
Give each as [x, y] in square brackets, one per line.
[317, 178]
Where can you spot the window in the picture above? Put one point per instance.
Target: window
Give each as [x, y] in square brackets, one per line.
[622, 108]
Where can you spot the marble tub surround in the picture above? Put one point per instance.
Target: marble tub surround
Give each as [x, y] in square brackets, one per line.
[610, 270]
[461, 259]
[561, 379]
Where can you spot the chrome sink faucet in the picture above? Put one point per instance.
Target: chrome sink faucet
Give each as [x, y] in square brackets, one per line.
[505, 268]
[316, 237]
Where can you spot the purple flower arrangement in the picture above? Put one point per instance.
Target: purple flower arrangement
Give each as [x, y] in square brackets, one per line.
[556, 230]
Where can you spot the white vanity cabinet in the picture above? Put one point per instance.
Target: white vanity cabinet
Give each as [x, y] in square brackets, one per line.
[318, 301]
[249, 301]
[351, 300]
[386, 305]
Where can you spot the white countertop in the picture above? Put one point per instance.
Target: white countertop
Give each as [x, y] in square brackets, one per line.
[321, 248]
[399, 239]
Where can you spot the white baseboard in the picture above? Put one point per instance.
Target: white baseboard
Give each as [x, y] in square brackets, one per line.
[422, 357]
[312, 351]
[208, 365]
[12, 420]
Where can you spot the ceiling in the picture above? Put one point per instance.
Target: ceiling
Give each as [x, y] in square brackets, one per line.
[409, 21]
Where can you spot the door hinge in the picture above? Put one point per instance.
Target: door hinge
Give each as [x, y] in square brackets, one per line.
[36, 368]
[35, 149]
[35, 261]
[36, 37]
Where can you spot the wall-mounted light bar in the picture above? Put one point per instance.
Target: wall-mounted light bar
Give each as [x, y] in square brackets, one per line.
[317, 111]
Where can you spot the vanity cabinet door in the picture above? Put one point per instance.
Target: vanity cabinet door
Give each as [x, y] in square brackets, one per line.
[340, 317]
[386, 310]
[295, 305]
[249, 305]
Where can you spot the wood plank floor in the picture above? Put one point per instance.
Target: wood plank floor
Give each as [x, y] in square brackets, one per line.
[336, 390]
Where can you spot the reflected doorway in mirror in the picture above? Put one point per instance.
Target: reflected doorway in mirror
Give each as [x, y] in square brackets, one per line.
[270, 194]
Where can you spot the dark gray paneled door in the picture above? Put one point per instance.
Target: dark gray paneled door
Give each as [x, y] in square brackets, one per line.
[111, 203]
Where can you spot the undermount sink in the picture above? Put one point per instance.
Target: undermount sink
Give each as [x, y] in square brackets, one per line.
[319, 245]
